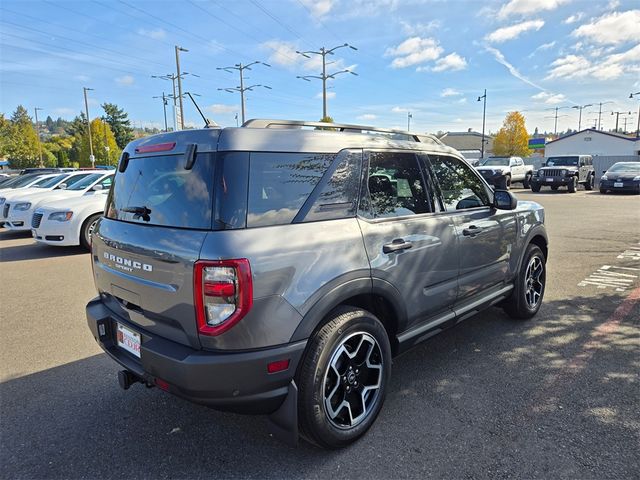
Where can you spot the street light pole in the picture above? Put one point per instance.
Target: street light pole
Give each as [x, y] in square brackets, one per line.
[484, 113]
[581, 107]
[86, 109]
[323, 52]
[409, 117]
[600, 112]
[178, 50]
[38, 134]
[617, 114]
[241, 68]
[555, 124]
[632, 95]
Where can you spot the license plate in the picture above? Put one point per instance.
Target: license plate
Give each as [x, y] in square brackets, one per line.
[618, 184]
[550, 180]
[129, 340]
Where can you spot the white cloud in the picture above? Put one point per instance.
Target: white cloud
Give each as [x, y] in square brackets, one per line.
[450, 92]
[608, 68]
[399, 110]
[544, 46]
[221, 108]
[125, 80]
[576, 17]
[330, 95]
[497, 54]
[613, 4]
[367, 116]
[157, 34]
[318, 8]
[549, 98]
[513, 31]
[525, 7]
[453, 62]
[612, 28]
[413, 29]
[414, 51]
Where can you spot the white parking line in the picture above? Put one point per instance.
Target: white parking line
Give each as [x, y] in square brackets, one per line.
[609, 276]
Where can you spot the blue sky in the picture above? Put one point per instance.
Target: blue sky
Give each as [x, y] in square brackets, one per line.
[430, 57]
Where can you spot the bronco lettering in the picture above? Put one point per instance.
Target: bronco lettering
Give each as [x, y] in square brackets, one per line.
[127, 264]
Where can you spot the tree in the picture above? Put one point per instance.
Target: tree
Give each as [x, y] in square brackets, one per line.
[60, 147]
[19, 140]
[326, 119]
[102, 137]
[512, 139]
[119, 123]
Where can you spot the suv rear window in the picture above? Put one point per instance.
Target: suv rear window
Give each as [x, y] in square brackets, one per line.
[159, 191]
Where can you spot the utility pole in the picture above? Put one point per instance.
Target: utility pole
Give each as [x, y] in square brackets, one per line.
[38, 133]
[178, 50]
[86, 109]
[555, 125]
[581, 107]
[164, 107]
[617, 114]
[625, 117]
[484, 114]
[632, 95]
[409, 117]
[173, 77]
[600, 112]
[241, 68]
[323, 52]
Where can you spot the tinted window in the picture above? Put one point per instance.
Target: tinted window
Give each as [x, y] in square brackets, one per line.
[231, 190]
[395, 186]
[72, 180]
[279, 184]
[562, 161]
[496, 161]
[106, 183]
[159, 191]
[85, 182]
[339, 196]
[460, 187]
[50, 182]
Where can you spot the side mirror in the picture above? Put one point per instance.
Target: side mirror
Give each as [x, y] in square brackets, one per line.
[97, 188]
[62, 186]
[504, 200]
[604, 171]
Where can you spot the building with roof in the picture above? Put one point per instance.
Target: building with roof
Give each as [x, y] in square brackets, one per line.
[469, 141]
[594, 142]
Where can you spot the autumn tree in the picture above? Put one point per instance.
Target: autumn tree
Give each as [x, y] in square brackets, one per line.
[119, 122]
[512, 139]
[105, 148]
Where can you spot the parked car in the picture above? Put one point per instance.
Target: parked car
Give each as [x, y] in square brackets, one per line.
[565, 171]
[621, 177]
[23, 181]
[18, 212]
[68, 221]
[501, 172]
[278, 270]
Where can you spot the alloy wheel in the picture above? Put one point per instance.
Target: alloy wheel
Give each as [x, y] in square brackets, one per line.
[353, 380]
[534, 282]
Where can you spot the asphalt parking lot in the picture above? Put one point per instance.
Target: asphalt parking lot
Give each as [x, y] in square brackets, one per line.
[555, 397]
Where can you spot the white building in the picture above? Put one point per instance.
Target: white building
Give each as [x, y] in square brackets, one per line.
[593, 142]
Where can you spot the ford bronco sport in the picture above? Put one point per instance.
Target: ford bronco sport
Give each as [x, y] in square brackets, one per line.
[277, 269]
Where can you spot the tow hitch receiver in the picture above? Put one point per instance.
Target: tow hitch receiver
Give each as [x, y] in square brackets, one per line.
[126, 379]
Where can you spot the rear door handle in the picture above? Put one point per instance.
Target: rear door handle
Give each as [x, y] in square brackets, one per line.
[397, 245]
[472, 231]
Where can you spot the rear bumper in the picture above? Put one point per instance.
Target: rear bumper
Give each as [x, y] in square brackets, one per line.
[236, 381]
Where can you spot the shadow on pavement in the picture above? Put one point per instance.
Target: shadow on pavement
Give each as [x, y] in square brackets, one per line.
[32, 251]
[490, 398]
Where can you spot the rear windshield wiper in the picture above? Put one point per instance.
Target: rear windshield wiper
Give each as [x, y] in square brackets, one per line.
[139, 212]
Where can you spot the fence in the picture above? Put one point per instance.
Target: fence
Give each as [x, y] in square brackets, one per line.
[600, 162]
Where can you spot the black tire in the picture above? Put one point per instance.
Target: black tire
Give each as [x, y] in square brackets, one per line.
[520, 305]
[573, 185]
[554, 187]
[590, 183]
[87, 228]
[503, 183]
[526, 183]
[508, 182]
[328, 423]
[535, 187]
[603, 190]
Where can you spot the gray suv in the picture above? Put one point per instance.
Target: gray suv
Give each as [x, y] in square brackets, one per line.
[278, 269]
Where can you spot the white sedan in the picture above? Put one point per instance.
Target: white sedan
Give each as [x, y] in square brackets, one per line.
[18, 212]
[57, 181]
[68, 221]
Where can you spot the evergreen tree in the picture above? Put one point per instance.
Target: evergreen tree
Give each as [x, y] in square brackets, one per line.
[19, 140]
[49, 123]
[120, 124]
[20, 115]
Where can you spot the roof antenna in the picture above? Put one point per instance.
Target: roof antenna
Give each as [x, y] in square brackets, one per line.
[207, 123]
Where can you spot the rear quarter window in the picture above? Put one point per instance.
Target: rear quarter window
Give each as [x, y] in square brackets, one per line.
[159, 191]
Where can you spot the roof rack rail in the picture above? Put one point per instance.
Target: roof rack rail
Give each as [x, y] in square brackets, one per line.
[341, 127]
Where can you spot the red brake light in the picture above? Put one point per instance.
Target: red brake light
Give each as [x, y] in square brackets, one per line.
[278, 366]
[158, 147]
[223, 294]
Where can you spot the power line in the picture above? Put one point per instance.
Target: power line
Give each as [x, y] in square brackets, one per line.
[241, 68]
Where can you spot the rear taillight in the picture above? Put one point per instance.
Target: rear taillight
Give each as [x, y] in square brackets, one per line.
[223, 291]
